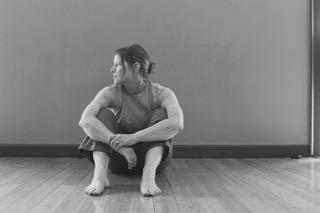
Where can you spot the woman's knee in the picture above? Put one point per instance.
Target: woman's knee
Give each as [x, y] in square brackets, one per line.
[100, 155]
[156, 150]
[105, 114]
[108, 119]
[158, 115]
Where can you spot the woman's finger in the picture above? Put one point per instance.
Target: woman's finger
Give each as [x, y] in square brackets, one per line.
[109, 139]
[114, 141]
[129, 161]
[117, 146]
[115, 138]
[134, 160]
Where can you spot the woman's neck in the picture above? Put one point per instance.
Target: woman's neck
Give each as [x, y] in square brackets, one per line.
[135, 87]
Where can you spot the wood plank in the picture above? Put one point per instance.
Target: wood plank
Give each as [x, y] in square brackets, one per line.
[127, 188]
[188, 185]
[289, 194]
[244, 190]
[184, 198]
[78, 201]
[39, 173]
[56, 197]
[43, 190]
[201, 183]
[30, 171]
[166, 201]
[208, 189]
[12, 168]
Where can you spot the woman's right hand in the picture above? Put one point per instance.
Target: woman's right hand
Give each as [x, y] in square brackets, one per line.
[129, 154]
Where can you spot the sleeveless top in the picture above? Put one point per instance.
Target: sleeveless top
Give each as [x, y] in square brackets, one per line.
[133, 112]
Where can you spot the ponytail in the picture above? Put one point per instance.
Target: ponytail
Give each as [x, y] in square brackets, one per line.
[151, 68]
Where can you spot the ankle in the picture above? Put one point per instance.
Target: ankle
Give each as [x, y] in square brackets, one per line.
[149, 170]
[99, 175]
[148, 174]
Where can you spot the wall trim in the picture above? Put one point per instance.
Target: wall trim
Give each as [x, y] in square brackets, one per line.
[179, 151]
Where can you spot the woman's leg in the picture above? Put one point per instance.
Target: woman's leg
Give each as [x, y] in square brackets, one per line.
[99, 154]
[157, 157]
[148, 186]
[100, 179]
[103, 156]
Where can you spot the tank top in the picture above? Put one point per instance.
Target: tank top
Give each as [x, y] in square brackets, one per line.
[134, 111]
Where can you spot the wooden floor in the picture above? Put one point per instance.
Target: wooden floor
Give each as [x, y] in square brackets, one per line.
[188, 185]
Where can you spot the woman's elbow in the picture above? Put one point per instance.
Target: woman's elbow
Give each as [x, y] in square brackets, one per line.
[84, 124]
[179, 126]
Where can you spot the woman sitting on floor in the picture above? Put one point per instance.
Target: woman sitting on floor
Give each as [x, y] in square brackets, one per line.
[130, 124]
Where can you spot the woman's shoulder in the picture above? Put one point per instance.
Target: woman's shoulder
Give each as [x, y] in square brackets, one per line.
[112, 93]
[109, 90]
[114, 89]
[157, 87]
[157, 90]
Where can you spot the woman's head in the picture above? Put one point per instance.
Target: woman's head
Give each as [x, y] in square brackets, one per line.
[136, 58]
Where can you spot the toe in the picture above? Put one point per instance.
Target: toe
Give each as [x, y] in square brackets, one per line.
[95, 193]
[86, 190]
[157, 191]
[92, 191]
[149, 193]
[145, 192]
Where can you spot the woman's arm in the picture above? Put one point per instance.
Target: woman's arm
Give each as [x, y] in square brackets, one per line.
[163, 130]
[94, 128]
[168, 128]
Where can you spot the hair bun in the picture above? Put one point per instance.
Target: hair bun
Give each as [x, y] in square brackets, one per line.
[152, 67]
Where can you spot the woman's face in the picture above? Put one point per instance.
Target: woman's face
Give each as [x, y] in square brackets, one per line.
[118, 70]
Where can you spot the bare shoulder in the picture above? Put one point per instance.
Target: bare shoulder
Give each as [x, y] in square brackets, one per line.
[167, 97]
[105, 97]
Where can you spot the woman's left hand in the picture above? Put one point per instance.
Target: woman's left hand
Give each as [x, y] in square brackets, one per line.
[122, 140]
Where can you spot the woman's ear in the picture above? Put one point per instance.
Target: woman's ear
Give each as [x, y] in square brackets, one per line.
[136, 67]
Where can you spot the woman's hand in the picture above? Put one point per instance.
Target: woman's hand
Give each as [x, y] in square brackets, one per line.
[122, 140]
[129, 154]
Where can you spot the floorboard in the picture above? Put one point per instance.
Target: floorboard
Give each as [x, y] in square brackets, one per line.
[268, 185]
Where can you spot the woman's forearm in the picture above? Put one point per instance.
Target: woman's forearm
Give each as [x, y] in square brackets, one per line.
[163, 130]
[95, 130]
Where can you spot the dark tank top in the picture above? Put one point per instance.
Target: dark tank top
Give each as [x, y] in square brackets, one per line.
[135, 111]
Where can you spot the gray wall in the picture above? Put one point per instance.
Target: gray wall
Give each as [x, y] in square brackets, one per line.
[240, 68]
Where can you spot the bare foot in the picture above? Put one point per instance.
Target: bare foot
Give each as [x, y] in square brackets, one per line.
[97, 186]
[129, 154]
[148, 186]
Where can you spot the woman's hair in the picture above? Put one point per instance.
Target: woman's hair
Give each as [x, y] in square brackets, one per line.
[135, 53]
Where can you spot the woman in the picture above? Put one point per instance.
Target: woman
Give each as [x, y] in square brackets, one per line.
[130, 124]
